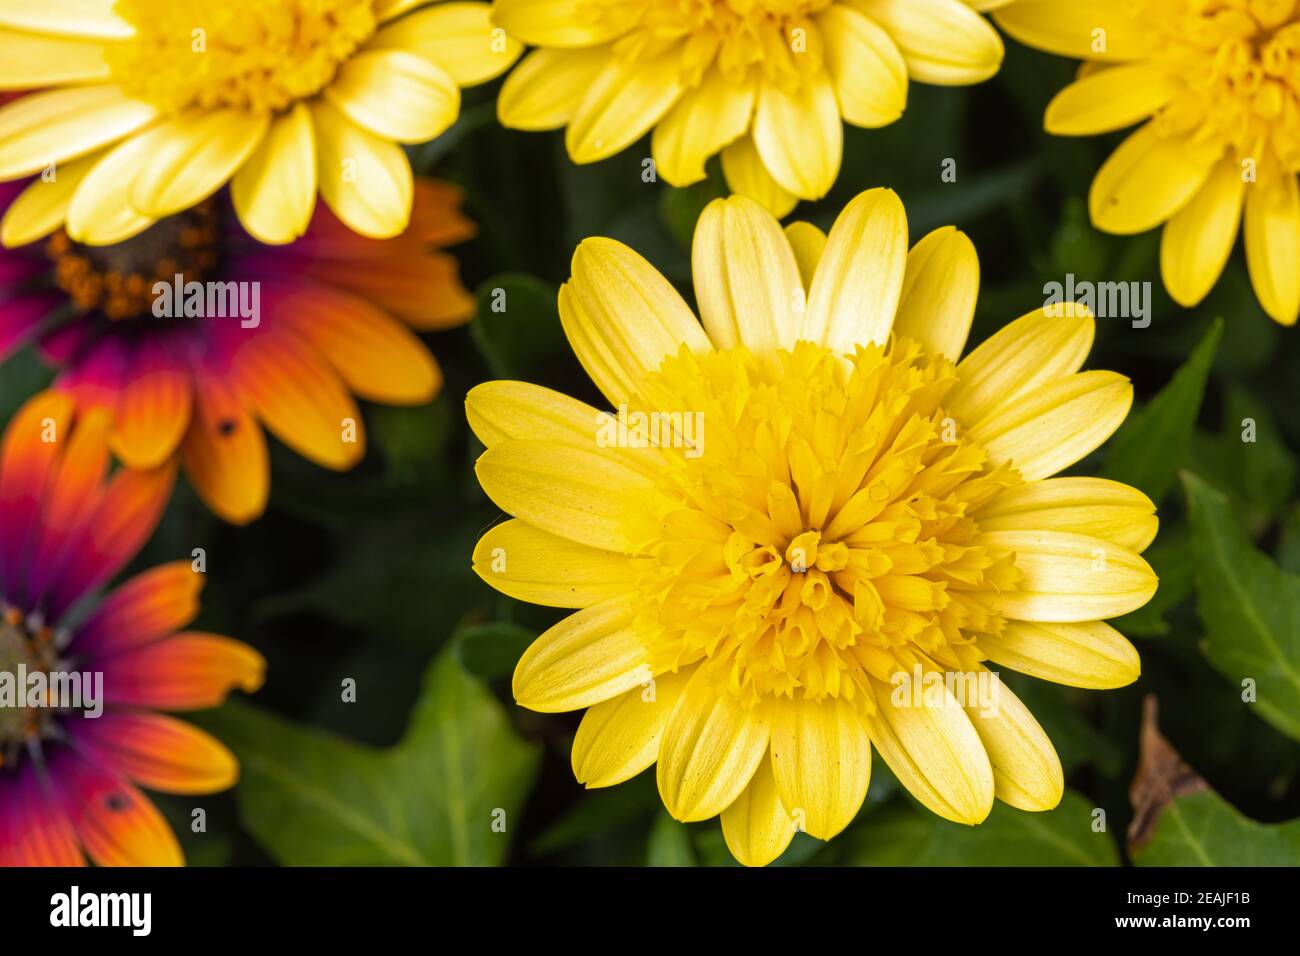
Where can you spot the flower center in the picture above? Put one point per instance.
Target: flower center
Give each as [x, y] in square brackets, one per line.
[824, 536]
[32, 648]
[1239, 63]
[118, 280]
[777, 36]
[248, 54]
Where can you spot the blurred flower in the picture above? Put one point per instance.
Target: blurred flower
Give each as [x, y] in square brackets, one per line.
[333, 317]
[68, 779]
[1214, 87]
[826, 518]
[156, 104]
[765, 82]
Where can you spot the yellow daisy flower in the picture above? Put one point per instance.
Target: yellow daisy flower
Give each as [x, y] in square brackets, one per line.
[150, 106]
[805, 530]
[1216, 87]
[765, 82]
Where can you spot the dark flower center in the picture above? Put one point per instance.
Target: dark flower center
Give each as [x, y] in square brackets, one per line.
[24, 649]
[118, 281]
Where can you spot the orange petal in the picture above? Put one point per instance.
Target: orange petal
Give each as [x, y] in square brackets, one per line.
[301, 399]
[436, 215]
[151, 605]
[224, 453]
[191, 671]
[422, 288]
[153, 411]
[377, 356]
[160, 752]
[117, 824]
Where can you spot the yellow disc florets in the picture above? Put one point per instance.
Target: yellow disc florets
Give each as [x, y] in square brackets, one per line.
[1239, 64]
[260, 55]
[777, 37]
[815, 527]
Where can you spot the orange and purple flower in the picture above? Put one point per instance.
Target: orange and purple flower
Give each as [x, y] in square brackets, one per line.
[70, 774]
[286, 338]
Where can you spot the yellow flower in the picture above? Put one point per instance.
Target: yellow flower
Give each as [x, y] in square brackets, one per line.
[156, 104]
[1216, 85]
[765, 82]
[805, 529]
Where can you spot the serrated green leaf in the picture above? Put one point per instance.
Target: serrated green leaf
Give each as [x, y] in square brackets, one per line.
[903, 835]
[1151, 446]
[1203, 829]
[449, 794]
[1250, 608]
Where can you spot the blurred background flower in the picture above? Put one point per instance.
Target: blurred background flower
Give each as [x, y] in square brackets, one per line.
[154, 105]
[765, 83]
[324, 318]
[68, 780]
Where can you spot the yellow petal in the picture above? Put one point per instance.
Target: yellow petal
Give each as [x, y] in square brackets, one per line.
[943, 41]
[457, 36]
[1110, 99]
[500, 410]
[621, 104]
[869, 72]
[1096, 30]
[1273, 245]
[43, 206]
[364, 179]
[799, 135]
[41, 129]
[619, 737]
[1071, 578]
[275, 191]
[36, 61]
[192, 157]
[396, 95]
[1093, 506]
[859, 279]
[940, 287]
[1018, 358]
[562, 23]
[746, 175]
[711, 748]
[747, 283]
[1027, 772]
[707, 118]
[545, 90]
[821, 758]
[588, 657]
[934, 752]
[1091, 654]
[101, 212]
[532, 565]
[756, 826]
[622, 317]
[1148, 179]
[76, 18]
[580, 495]
[1196, 242]
[1056, 425]
[808, 243]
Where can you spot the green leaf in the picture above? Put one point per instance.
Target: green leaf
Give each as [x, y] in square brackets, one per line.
[903, 835]
[670, 843]
[1250, 608]
[518, 326]
[1150, 447]
[438, 798]
[1203, 829]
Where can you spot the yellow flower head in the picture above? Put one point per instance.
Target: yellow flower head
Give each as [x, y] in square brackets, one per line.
[1216, 85]
[804, 529]
[150, 106]
[765, 82]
